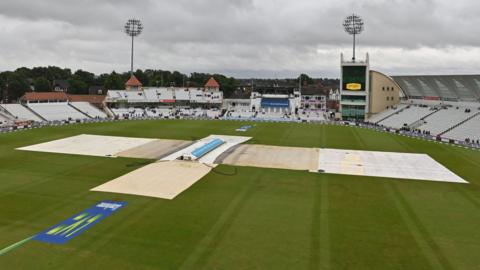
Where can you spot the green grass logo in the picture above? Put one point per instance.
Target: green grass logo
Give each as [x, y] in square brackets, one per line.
[82, 221]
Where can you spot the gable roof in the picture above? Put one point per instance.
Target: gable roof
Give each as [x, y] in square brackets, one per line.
[94, 99]
[43, 96]
[133, 82]
[212, 83]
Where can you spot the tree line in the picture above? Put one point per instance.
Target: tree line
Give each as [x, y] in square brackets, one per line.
[13, 84]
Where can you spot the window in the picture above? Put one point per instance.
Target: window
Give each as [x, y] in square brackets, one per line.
[388, 98]
[383, 88]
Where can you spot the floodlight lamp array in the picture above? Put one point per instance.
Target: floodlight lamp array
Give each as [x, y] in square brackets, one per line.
[353, 24]
[133, 27]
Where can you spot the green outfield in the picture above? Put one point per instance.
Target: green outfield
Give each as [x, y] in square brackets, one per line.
[241, 217]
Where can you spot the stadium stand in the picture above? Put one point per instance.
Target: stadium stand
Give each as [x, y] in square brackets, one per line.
[273, 113]
[442, 87]
[4, 120]
[386, 113]
[239, 114]
[407, 116]
[21, 112]
[88, 109]
[444, 119]
[165, 95]
[158, 112]
[56, 111]
[182, 94]
[213, 113]
[311, 115]
[468, 130]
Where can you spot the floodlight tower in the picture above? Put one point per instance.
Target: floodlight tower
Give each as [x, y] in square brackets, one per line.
[353, 25]
[133, 28]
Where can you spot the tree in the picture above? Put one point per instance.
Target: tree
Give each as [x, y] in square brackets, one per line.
[84, 76]
[77, 86]
[42, 84]
[16, 86]
[114, 82]
[305, 79]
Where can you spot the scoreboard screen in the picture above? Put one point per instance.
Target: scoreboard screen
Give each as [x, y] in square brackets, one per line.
[354, 78]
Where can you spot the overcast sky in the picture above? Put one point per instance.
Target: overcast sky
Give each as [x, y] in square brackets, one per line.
[242, 38]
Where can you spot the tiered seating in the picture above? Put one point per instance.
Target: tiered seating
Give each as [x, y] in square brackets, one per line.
[165, 95]
[239, 114]
[129, 112]
[408, 116]
[151, 95]
[121, 112]
[154, 112]
[156, 95]
[20, 112]
[4, 121]
[56, 111]
[135, 96]
[469, 129]
[444, 119]
[198, 112]
[182, 94]
[381, 115]
[186, 112]
[273, 113]
[446, 87]
[197, 96]
[213, 97]
[130, 96]
[213, 113]
[115, 94]
[88, 109]
[310, 115]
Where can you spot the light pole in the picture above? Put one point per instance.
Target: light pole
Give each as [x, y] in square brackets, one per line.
[133, 28]
[353, 25]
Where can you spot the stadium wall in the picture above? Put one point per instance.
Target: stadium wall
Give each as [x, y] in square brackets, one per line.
[384, 93]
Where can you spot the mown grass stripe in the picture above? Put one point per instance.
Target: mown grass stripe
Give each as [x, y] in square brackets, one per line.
[209, 242]
[427, 244]
[15, 246]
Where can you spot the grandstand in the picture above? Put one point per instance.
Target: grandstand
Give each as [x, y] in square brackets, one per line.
[21, 112]
[444, 119]
[441, 87]
[5, 120]
[469, 129]
[311, 115]
[444, 106]
[57, 111]
[126, 113]
[239, 114]
[386, 113]
[88, 109]
[407, 116]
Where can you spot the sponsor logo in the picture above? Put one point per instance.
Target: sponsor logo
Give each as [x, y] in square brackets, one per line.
[244, 128]
[68, 229]
[354, 86]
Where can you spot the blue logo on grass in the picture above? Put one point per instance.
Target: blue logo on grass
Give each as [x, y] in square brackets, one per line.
[244, 128]
[68, 229]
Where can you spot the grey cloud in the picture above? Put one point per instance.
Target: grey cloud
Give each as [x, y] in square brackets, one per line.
[241, 37]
